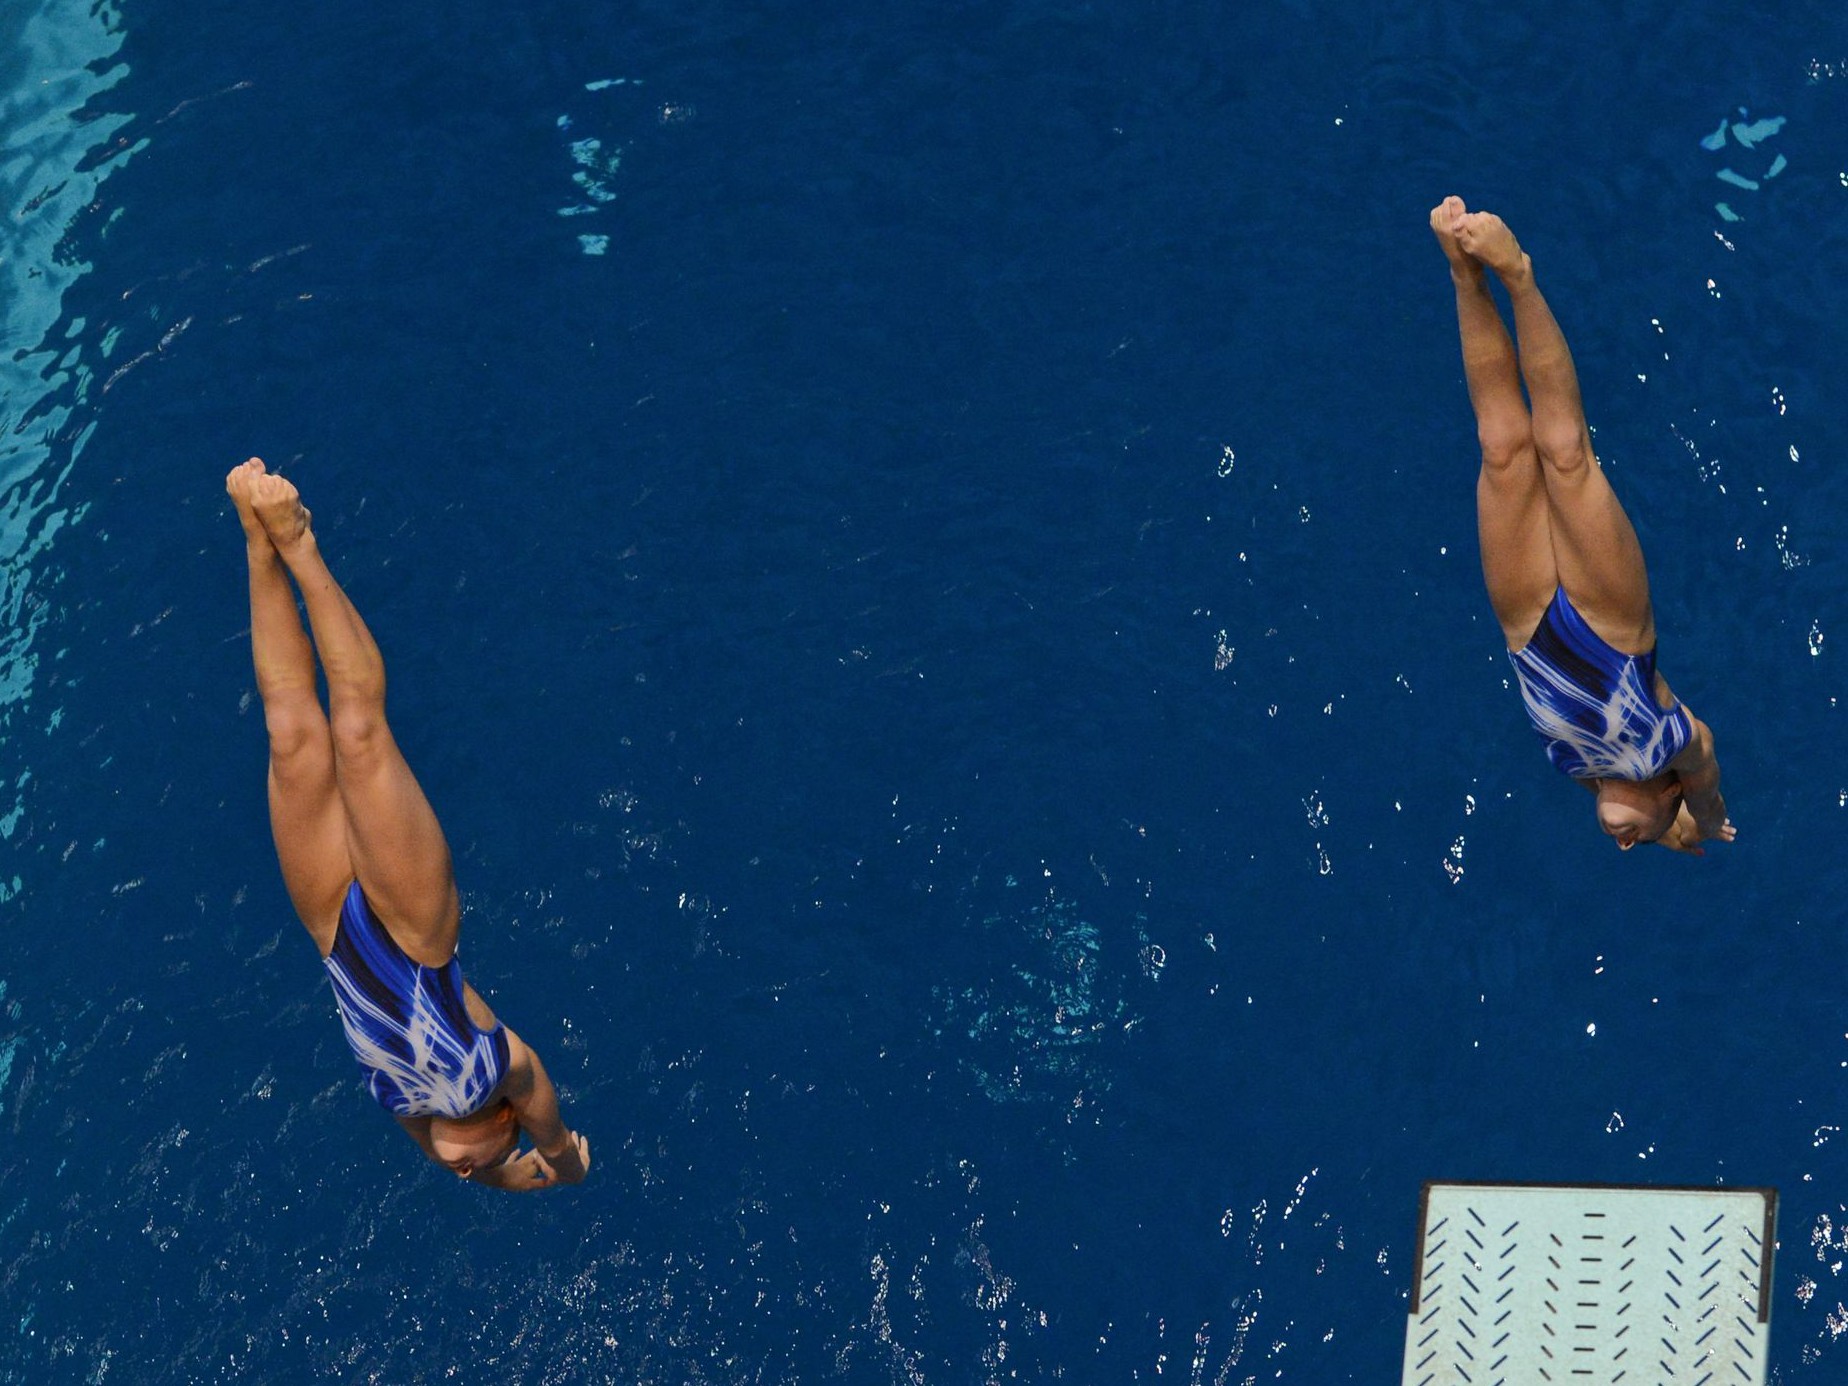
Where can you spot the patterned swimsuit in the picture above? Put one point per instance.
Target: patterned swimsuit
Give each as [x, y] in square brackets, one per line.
[408, 1024]
[1594, 706]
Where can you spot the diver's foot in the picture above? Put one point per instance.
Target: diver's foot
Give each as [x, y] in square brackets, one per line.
[279, 509]
[1446, 218]
[1487, 237]
[238, 483]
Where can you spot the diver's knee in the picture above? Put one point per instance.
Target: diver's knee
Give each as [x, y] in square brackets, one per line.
[297, 728]
[1566, 455]
[360, 734]
[1505, 448]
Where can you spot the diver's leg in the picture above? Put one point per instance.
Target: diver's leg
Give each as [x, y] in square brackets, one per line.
[397, 846]
[1511, 512]
[306, 818]
[1600, 559]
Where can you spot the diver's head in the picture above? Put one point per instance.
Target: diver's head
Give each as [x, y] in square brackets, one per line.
[477, 1141]
[1634, 811]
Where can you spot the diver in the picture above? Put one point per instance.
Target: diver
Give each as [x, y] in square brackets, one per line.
[369, 872]
[1563, 565]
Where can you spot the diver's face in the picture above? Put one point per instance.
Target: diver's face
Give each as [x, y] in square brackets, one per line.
[1632, 813]
[466, 1146]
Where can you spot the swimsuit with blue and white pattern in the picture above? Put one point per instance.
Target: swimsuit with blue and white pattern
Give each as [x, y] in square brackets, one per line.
[1594, 706]
[408, 1024]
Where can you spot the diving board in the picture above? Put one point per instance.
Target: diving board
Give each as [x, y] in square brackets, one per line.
[1590, 1285]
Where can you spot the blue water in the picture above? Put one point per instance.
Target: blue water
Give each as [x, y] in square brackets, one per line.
[927, 563]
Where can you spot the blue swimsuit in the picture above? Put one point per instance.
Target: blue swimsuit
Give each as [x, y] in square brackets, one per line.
[407, 1023]
[1595, 707]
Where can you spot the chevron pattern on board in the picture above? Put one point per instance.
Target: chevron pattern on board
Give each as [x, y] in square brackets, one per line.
[1590, 1285]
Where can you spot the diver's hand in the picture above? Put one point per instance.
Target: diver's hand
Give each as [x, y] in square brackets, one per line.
[1685, 833]
[569, 1165]
[524, 1173]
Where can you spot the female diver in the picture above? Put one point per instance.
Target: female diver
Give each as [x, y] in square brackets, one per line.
[368, 870]
[1563, 566]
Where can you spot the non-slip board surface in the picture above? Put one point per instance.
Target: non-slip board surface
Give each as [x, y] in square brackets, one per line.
[1590, 1284]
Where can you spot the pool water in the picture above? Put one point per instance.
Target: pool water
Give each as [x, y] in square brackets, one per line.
[926, 558]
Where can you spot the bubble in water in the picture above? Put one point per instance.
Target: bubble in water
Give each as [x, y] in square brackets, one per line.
[1815, 638]
[1154, 959]
[1225, 462]
[1453, 861]
[1785, 556]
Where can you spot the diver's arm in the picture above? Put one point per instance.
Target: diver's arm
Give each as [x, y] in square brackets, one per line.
[1699, 773]
[563, 1156]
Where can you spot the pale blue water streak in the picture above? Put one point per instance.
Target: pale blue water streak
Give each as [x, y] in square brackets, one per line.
[49, 177]
[53, 163]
